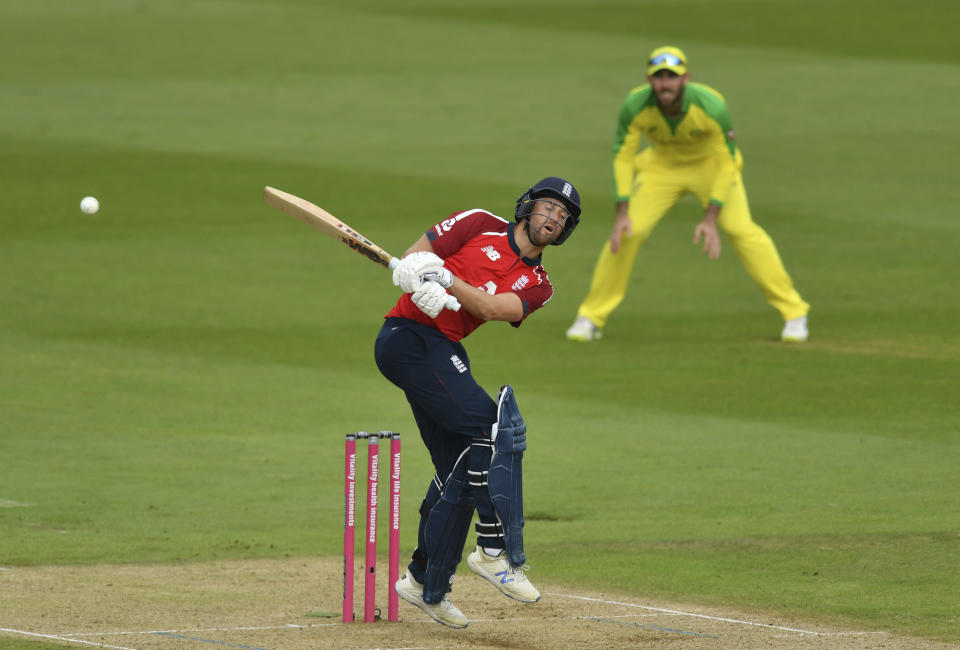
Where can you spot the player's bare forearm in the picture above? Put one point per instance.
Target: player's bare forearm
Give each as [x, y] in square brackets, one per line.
[506, 306]
[503, 306]
[712, 213]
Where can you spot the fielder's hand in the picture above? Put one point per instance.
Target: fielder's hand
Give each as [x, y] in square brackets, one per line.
[622, 227]
[430, 298]
[711, 238]
[408, 271]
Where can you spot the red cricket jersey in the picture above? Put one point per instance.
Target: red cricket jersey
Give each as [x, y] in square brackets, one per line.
[479, 248]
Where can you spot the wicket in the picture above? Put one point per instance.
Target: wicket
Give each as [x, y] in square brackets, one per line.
[349, 524]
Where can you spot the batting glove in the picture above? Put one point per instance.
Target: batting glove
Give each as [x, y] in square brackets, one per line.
[430, 298]
[408, 271]
[443, 277]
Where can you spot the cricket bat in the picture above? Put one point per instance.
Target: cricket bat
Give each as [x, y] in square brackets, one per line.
[314, 215]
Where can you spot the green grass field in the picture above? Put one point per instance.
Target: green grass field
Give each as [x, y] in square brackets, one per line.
[177, 371]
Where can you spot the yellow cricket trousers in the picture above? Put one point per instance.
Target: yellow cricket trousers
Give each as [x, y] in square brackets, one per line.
[657, 187]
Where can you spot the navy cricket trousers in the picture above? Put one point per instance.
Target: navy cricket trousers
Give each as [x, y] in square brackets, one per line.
[450, 409]
[448, 404]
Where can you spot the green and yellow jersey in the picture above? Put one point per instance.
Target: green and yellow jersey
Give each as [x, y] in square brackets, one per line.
[703, 131]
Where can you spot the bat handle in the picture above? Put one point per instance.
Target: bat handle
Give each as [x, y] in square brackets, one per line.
[452, 303]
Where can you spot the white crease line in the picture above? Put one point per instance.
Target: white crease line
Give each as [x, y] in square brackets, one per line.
[58, 637]
[714, 618]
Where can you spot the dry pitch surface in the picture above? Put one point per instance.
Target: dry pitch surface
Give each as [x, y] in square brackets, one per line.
[295, 603]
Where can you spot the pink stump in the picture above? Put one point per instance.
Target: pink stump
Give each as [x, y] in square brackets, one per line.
[349, 523]
[370, 584]
[393, 569]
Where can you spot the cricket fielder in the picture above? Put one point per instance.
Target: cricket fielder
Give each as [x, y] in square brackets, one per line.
[476, 444]
[691, 150]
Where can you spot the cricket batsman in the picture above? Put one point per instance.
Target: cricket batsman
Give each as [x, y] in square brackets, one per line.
[691, 150]
[476, 443]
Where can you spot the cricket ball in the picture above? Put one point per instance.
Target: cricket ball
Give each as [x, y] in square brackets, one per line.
[89, 205]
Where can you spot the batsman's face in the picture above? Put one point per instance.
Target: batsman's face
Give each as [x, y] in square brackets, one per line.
[668, 87]
[546, 221]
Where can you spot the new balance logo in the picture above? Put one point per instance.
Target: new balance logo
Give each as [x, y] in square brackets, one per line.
[504, 577]
[491, 252]
[458, 364]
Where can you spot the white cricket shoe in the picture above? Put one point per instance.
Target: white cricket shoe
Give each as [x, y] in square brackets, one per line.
[795, 330]
[583, 329]
[443, 612]
[497, 571]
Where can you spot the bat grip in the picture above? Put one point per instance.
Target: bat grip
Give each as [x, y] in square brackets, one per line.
[452, 303]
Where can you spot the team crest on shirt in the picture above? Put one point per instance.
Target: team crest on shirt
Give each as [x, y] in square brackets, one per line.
[458, 364]
[491, 252]
[521, 282]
